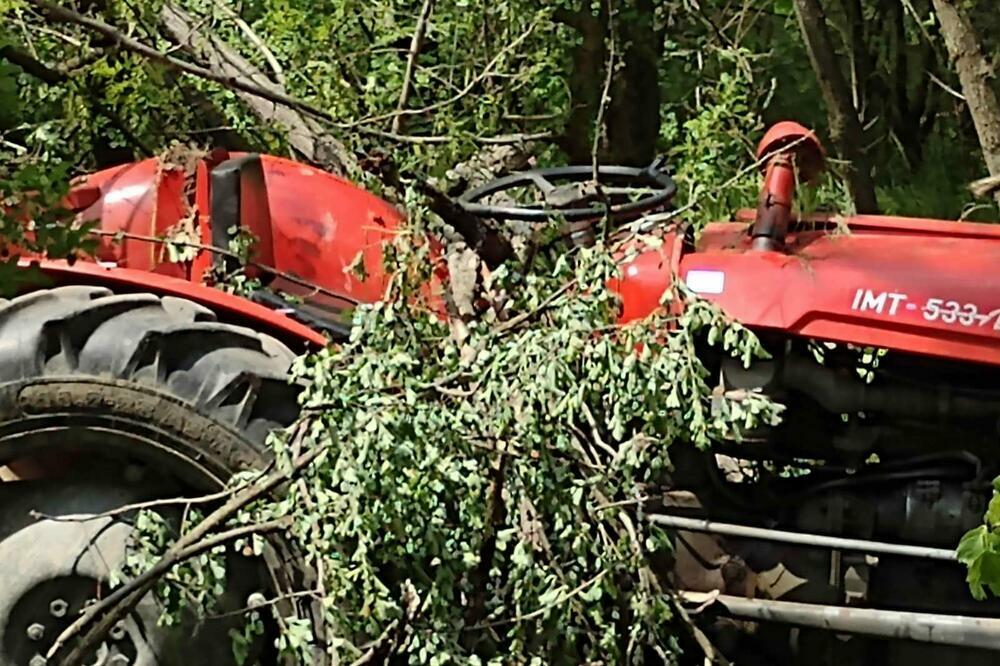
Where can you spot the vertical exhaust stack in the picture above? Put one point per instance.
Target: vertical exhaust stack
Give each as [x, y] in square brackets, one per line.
[789, 153]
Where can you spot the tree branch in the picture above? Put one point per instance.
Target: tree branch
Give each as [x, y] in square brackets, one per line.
[31, 65]
[416, 44]
[976, 74]
[845, 128]
[238, 83]
[98, 619]
[58, 13]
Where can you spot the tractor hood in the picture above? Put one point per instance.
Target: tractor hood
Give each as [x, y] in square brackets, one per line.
[308, 225]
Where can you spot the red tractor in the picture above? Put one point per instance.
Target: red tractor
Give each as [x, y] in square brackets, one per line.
[155, 385]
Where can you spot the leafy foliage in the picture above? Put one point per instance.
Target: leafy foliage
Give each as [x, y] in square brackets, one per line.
[34, 221]
[979, 550]
[481, 500]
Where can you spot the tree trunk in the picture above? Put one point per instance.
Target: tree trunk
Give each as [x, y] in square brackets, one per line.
[845, 128]
[589, 58]
[307, 137]
[632, 119]
[975, 72]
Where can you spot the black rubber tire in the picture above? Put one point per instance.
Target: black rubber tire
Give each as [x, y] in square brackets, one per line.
[132, 378]
[140, 368]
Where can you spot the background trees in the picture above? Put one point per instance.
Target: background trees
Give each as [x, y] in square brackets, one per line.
[696, 80]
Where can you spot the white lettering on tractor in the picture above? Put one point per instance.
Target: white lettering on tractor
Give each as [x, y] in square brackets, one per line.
[866, 300]
[945, 311]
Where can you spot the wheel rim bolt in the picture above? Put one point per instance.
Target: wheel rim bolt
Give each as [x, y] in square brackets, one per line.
[58, 608]
[36, 631]
[117, 632]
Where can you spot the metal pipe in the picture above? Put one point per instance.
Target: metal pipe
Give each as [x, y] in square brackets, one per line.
[800, 538]
[954, 630]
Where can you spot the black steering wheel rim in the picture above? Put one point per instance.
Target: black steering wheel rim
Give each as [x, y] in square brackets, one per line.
[654, 178]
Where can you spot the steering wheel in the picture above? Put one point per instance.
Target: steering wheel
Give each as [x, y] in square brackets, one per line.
[570, 193]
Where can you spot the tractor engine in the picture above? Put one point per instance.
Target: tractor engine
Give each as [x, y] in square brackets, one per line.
[874, 446]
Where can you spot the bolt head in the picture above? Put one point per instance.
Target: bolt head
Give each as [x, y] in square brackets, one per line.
[58, 608]
[117, 632]
[37, 660]
[36, 631]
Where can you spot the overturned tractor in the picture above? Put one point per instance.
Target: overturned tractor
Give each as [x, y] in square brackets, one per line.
[131, 380]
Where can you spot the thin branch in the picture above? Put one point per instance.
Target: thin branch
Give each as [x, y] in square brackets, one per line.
[129, 508]
[416, 43]
[101, 616]
[602, 106]
[267, 603]
[59, 13]
[561, 599]
[499, 140]
[985, 186]
[225, 253]
[657, 218]
[469, 87]
[945, 87]
[253, 38]
[31, 65]
[118, 604]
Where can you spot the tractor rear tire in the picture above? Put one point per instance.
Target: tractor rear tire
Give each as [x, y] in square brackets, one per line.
[91, 381]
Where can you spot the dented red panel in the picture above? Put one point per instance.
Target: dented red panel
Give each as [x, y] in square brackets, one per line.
[922, 286]
[319, 225]
[645, 278]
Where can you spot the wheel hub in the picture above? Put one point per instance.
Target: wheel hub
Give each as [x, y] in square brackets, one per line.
[52, 568]
[47, 610]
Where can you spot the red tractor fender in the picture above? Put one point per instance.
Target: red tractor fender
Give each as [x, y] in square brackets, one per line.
[229, 307]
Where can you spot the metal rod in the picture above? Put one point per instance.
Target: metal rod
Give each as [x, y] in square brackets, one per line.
[955, 630]
[800, 538]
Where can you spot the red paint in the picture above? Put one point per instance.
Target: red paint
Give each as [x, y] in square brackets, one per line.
[645, 279]
[316, 224]
[800, 141]
[810, 289]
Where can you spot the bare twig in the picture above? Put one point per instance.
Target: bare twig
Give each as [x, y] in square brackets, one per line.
[58, 13]
[468, 88]
[116, 605]
[945, 87]
[502, 139]
[602, 107]
[266, 603]
[138, 506]
[514, 322]
[985, 186]
[254, 38]
[416, 43]
[225, 253]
